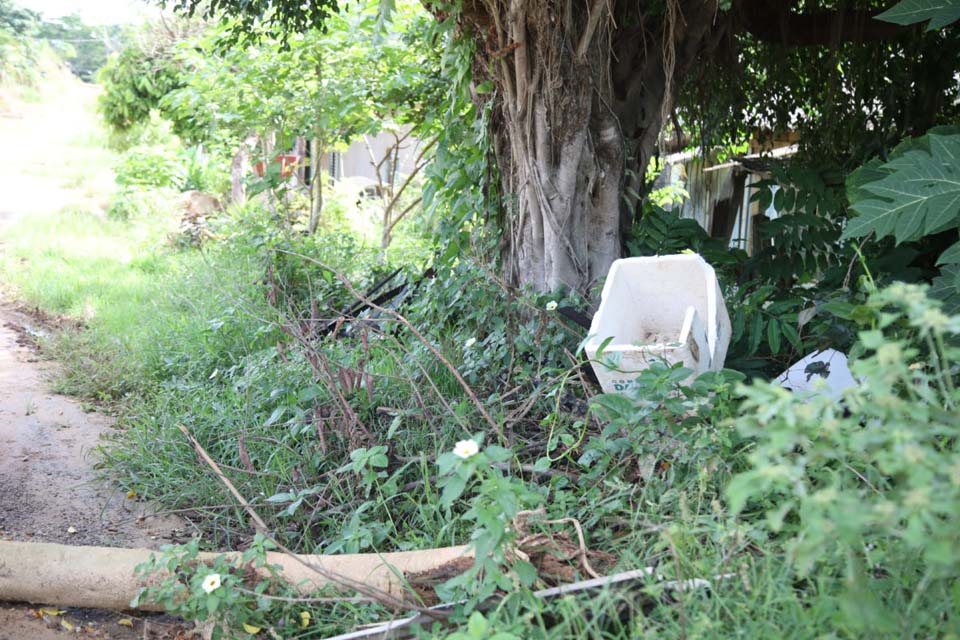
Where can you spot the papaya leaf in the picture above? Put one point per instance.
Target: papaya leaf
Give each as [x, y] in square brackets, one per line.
[946, 288]
[940, 13]
[951, 255]
[919, 195]
[871, 171]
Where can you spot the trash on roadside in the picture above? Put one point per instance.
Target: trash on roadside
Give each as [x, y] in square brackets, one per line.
[662, 308]
[824, 372]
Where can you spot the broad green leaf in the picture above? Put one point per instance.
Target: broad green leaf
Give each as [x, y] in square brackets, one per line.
[309, 393]
[756, 332]
[940, 13]
[603, 345]
[615, 404]
[275, 416]
[452, 489]
[946, 288]
[919, 195]
[740, 489]
[498, 454]
[477, 625]
[951, 255]
[791, 334]
[526, 572]
[773, 336]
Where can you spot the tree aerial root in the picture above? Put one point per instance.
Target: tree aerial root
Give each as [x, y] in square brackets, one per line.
[104, 577]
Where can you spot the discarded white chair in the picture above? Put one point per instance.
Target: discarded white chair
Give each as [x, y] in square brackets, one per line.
[663, 308]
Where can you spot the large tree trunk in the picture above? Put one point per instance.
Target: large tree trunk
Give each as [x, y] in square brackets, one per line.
[563, 179]
[579, 100]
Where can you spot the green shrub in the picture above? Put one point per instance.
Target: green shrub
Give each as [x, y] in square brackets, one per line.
[136, 80]
[151, 166]
[664, 419]
[869, 486]
[203, 171]
[236, 601]
[133, 201]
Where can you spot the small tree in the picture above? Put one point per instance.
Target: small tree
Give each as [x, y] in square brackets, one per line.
[329, 87]
[137, 79]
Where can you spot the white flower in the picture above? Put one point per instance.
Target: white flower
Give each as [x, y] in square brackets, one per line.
[766, 305]
[552, 305]
[211, 583]
[466, 449]
[469, 343]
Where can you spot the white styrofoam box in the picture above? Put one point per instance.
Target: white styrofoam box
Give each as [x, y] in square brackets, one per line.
[666, 308]
[802, 377]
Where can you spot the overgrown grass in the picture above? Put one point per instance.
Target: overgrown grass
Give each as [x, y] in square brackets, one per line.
[144, 303]
[227, 341]
[335, 438]
[338, 427]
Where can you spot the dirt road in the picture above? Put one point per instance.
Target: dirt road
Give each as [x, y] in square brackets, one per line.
[49, 490]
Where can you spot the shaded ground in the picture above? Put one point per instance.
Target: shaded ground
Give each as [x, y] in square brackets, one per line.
[48, 485]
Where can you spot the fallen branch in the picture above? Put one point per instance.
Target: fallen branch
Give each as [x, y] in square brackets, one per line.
[104, 577]
[328, 576]
[257, 520]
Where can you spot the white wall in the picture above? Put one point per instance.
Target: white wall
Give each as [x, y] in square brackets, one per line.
[356, 162]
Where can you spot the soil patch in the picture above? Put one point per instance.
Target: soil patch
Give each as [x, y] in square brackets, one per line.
[47, 441]
[49, 488]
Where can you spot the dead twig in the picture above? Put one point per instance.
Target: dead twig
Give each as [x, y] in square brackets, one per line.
[258, 522]
[498, 429]
[584, 562]
[523, 518]
[626, 581]
[355, 585]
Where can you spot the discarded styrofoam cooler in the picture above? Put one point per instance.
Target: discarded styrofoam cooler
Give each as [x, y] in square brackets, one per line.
[663, 308]
[825, 372]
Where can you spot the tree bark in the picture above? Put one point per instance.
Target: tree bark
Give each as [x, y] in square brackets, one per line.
[240, 167]
[316, 186]
[578, 102]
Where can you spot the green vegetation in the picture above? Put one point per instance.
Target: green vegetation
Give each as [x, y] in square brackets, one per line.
[119, 279]
[32, 48]
[458, 409]
[84, 48]
[20, 62]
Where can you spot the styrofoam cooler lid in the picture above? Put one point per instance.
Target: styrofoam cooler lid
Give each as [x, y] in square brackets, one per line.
[829, 366]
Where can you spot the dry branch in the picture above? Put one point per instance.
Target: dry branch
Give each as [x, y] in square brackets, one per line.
[257, 520]
[326, 575]
[496, 427]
